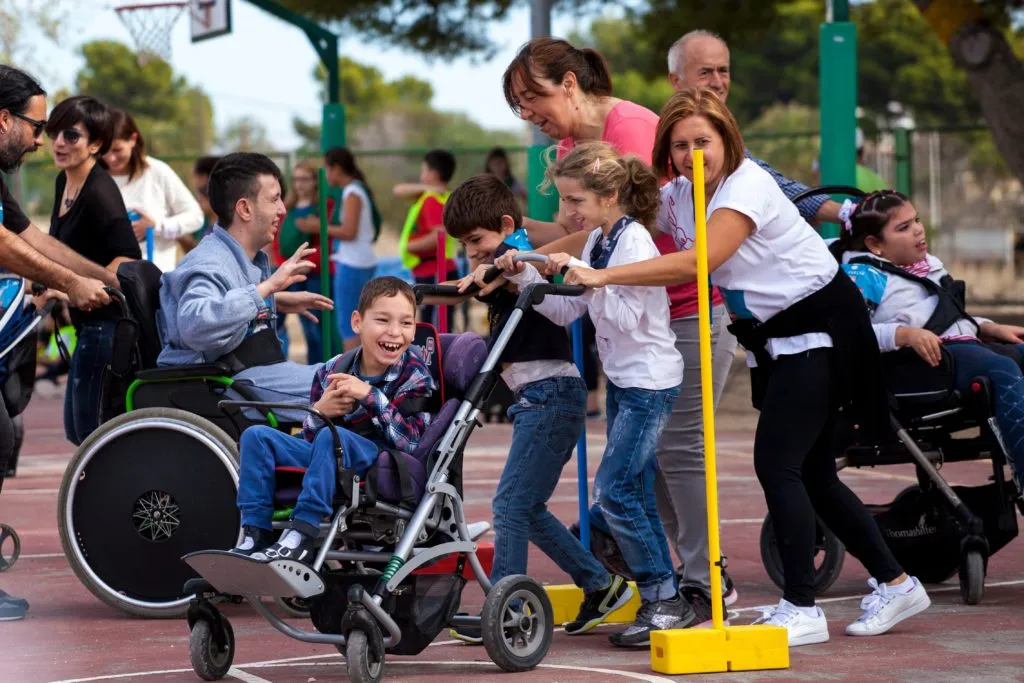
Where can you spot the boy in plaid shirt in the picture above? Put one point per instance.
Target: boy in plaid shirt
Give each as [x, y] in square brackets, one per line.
[388, 377]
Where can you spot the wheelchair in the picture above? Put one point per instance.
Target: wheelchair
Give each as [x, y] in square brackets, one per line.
[933, 529]
[392, 561]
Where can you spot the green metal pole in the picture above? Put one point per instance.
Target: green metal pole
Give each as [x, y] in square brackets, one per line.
[904, 161]
[539, 206]
[326, 317]
[837, 78]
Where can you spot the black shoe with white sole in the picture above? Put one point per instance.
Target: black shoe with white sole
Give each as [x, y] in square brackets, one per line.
[255, 540]
[655, 615]
[287, 549]
[598, 605]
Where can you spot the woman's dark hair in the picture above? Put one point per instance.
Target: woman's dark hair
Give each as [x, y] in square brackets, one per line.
[499, 153]
[204, 165]
[91, 113]
[16, 89]
[342, 157]
[869, 219]
[552, 58]
[235, 176]
[124, 129]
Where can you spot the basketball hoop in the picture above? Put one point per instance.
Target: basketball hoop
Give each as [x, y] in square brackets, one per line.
[150, 26]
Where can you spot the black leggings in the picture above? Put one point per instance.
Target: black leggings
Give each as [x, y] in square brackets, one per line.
[6, 441]
[794, 457]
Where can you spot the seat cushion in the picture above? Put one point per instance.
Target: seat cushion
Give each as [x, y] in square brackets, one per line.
[386, 473]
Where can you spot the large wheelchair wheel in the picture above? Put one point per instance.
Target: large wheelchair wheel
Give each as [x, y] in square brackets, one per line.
[829, 555]
[143, 490]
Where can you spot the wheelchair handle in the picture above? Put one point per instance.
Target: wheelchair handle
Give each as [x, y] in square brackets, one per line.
[830, 189]
[117, 296]
[490, 276]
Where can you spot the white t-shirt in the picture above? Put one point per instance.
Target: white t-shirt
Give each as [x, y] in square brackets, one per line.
[357, 253]
[782, 262]
[636, 345]
[159, 192]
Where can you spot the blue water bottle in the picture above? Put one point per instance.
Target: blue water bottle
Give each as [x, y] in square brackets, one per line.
[133, 216]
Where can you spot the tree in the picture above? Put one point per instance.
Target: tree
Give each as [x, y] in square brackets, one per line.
[16, 16]
[245, 134]
[173, 115]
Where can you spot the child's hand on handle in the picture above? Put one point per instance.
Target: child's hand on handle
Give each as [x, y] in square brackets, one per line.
[506, 262]
[926, 344]
[556, 264]
[588, 277]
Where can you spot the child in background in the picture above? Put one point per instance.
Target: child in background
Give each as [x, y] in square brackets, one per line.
[616, 199]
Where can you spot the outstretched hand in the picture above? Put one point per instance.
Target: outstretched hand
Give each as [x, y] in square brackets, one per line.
[290, 272]
[303, 303]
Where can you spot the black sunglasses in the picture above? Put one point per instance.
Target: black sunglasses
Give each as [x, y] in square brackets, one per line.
[71, 135]
[37, 126]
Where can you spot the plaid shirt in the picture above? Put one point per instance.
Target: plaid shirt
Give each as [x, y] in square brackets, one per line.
[407, 379]
[809, 206]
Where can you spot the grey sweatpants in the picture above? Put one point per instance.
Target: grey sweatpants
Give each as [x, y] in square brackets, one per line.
[680, 486]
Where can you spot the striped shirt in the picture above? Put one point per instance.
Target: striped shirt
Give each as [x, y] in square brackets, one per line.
[407, 379]
[808, 206]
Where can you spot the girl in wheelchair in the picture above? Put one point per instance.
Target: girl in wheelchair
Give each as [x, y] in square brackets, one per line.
[914, 303]
[379, 404]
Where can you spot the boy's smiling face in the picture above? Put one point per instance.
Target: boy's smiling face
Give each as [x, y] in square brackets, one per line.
[481, 243]
[385, 329]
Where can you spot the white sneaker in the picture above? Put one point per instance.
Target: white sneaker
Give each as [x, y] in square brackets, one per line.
[801, 629]
[885, 608]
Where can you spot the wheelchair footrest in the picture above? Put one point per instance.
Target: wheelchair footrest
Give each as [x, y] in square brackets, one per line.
[235, 574]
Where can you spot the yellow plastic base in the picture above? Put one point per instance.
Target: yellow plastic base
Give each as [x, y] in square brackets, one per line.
[566, 601]
[733, 648]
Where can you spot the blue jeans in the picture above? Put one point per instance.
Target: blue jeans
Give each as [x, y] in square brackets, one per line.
[973, 360]
[82, 395]
[547, 420]
[348, 285]
[264, 448]
[624, 489]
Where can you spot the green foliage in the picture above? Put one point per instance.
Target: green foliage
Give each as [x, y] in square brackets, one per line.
[175, 117]
[779, 135]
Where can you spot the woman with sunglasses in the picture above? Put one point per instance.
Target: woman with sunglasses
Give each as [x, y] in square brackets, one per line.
[90, 217]
[153, 193]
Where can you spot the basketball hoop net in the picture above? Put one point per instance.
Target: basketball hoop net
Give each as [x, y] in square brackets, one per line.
[150, 26]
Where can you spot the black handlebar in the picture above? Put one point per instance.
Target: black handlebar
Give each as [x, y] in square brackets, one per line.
[490, 276]
[830, 189]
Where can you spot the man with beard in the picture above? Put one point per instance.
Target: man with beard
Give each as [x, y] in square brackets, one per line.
[28, 251]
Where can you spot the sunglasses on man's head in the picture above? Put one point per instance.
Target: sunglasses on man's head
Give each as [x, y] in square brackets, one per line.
[71, 135]
[37, 126]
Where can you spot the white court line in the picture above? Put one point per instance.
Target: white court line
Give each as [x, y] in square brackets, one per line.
[30, 492]
[235, 672]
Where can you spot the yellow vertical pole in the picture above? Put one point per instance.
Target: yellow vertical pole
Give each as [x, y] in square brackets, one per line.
[707, 385]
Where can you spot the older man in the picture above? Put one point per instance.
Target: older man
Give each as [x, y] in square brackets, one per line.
[221, 302]
[25, 250]
[701, 59]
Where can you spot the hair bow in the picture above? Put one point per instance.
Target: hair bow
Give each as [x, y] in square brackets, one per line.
[845, 212]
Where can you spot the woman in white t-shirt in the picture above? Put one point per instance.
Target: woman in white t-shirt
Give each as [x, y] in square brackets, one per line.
[804, 324]
[355, 224]
[153, 193]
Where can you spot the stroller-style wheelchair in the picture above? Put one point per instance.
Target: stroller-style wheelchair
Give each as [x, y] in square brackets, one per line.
[388, 577]
[933, 529]
[19, 321]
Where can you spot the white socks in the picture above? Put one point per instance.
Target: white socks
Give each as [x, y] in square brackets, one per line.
[902, 588]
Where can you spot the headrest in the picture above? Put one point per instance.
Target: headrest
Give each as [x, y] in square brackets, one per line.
[140, 284]
[463, 355]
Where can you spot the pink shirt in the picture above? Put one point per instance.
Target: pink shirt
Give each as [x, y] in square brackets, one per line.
[630, 129]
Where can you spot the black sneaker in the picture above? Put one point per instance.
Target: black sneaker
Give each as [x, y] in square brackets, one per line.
[8, 598]
[700, 602]
[655, 615]
[729, 592]
[471, 635]
[599, 604]
[256, 540]
[12, 609]
[305, 552]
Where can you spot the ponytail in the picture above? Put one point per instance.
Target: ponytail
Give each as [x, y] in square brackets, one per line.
[551, 59]
[639, 194]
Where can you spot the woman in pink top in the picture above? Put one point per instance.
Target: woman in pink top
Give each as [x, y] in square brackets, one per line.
[567, 93]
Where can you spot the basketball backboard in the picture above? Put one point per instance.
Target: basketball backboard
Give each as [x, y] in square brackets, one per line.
[210, 18]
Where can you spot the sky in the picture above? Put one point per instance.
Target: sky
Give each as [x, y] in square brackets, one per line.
[265, 66]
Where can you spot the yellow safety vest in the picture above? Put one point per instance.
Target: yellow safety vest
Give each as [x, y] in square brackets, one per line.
[410, 260]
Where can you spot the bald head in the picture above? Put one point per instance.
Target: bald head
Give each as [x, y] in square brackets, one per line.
[700, 59]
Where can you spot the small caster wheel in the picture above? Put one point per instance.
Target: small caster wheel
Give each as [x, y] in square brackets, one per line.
[10, 547]
[517, 623]
[211, 659]
[293, 607]
[972, 577]
[364, 656]
[829, 555]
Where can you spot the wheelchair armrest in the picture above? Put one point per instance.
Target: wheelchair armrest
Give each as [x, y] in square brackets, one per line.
[184, 372]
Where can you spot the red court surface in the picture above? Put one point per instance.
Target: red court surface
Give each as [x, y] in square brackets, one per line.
[69, 635]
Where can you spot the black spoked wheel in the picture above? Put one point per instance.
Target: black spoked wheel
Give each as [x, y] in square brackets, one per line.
[143, 490]
[829, 555]
[211, 659]
[972, 577]
[10, 547]
[517, 623]
[364, 659]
